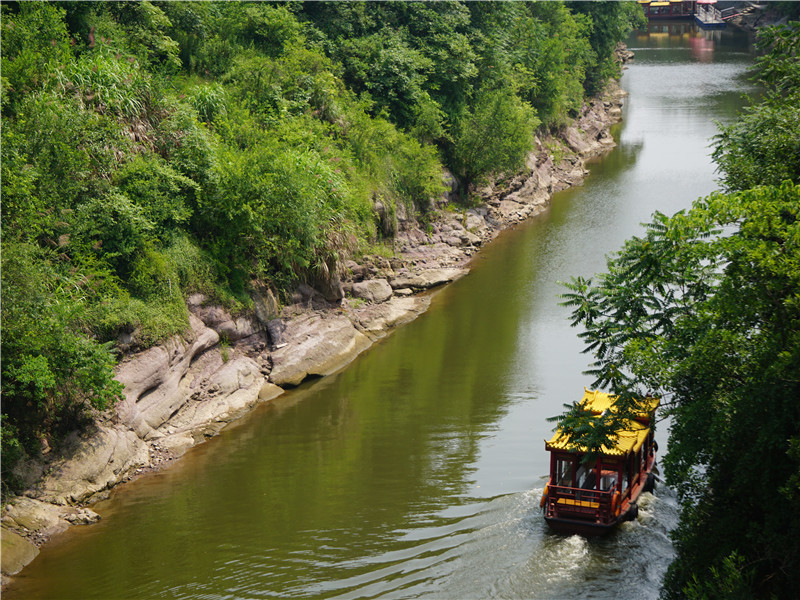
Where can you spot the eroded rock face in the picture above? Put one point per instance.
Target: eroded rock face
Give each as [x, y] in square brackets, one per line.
[16, 552]
[28, 517]
[220, 397]
[97, 463]
[425, 279]
[176, 395]
[154, 386]
[376, 320]
[316, 346]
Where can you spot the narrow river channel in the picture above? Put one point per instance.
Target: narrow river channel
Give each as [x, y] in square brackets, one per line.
[416, 472]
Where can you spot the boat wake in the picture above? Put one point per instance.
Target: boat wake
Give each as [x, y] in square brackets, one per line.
[502, 548]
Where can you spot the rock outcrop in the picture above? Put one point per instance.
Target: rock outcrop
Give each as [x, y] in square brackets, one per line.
[318, 345]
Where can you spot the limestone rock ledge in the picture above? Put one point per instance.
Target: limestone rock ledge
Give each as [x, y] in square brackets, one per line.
[319, 345]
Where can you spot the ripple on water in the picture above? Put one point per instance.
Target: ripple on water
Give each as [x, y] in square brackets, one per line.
[502, 548]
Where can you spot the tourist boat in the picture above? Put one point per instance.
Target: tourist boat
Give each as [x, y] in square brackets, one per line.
[708, 16]
[592, 497]
[671, 9]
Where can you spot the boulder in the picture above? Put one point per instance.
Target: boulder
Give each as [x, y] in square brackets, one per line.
[228, 327]
[372, 290]
[426, 278]
[476, 220]
[576, 141]
[376, 320]
[357, 272]
[276, 329]
[33, 515]
[82, 516]
[16, 552]
[316, 346]
[177, 444]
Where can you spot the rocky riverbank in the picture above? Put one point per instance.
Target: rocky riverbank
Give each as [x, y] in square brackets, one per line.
[752, 18]
[186, 390]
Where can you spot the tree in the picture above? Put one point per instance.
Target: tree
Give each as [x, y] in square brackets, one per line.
[552, 46]
[611, 22]
[763, 146]
[495, 135]
[704, 310]
[151, 149]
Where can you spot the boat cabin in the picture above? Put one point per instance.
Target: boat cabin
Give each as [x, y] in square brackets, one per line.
[671, 9]
[592, 497]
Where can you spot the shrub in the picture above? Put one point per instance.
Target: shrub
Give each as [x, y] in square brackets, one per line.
[151, 321]
[209, 101]
[69, 152]
[189, 147]
[270, 28]
[166, 197]
[34, 42]
[215, 56]
[114, 229]
[51, 371]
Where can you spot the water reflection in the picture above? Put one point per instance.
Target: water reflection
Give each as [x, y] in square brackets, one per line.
[701, 43]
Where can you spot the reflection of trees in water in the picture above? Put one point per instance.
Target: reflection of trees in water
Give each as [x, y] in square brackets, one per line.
[701, 42]
[623, 158]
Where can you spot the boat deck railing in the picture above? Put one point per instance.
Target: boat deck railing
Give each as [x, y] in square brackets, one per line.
[709, 15]
[579, 503]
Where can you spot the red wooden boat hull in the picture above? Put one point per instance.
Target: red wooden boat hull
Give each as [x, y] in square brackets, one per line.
[592, 529]
[597, 526]
[586, 529]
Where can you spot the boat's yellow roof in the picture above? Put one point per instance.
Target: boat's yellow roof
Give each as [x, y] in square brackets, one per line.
[628, 440]
[659, 4]
[597, 402]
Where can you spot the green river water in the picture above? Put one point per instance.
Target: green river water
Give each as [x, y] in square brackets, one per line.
[416, 471]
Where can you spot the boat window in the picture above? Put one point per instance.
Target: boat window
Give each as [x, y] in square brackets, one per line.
[564, 467]
[608, 481]
[580, 475]
[586, 478]
[630, 472]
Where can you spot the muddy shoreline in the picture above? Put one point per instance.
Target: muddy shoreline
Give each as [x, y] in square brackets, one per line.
[187, 389]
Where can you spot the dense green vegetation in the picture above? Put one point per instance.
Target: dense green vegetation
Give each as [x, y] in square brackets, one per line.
[155, 149]
[704, 310]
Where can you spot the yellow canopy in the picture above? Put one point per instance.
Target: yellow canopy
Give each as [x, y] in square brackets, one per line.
[660, 4]
[597, 402]
[629, 439]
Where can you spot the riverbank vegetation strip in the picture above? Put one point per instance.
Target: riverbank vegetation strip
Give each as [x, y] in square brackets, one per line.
[151, 150]
[703, 309]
